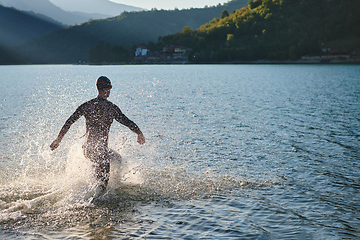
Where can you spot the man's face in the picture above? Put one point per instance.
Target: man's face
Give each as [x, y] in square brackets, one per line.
[107, 92]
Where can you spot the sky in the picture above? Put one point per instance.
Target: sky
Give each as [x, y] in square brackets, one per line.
[170, 4]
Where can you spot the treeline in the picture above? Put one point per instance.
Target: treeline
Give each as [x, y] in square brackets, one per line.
[273, 30]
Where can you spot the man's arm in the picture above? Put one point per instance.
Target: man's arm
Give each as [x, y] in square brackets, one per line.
[56, 142]
[73, 118]
[140, 138]
[121, 118]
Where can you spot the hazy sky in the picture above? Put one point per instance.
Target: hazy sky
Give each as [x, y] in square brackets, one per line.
[170, 4]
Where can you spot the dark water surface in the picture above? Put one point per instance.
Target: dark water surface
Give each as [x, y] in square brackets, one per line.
[232, 152]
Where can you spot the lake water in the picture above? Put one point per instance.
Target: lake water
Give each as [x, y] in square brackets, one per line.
[232, 152]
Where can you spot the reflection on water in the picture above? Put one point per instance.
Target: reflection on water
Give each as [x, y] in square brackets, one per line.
[238, 151]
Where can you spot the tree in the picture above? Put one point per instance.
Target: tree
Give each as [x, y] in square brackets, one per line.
[187, 30]
[230, 39]
[102, 52]
[120, 54]
[224, 14]
[96, 53]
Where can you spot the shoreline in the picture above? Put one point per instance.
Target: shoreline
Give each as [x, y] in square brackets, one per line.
[269, 62]
[353, 61]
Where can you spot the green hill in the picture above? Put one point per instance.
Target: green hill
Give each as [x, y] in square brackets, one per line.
[72, 44]
[275, 30]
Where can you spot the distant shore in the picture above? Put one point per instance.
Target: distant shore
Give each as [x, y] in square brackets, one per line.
[183, 62]
[310, 60]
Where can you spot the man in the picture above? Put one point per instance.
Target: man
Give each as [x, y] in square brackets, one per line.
[99, 114]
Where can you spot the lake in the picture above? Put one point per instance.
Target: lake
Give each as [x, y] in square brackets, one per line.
[232, 152]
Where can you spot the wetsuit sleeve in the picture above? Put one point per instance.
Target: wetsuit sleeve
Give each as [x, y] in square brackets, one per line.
[121, 118]
[73, 118]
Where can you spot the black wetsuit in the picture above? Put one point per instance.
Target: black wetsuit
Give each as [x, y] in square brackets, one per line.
[99, 114]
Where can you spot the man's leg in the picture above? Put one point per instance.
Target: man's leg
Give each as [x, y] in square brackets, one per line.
[101, 162]
[102, 172]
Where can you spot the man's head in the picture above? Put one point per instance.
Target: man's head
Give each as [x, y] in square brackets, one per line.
[103, 83]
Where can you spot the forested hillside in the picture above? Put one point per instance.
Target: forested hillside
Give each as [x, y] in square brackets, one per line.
[71, 45]
[275, 30]
[18, 26]
[7, 56]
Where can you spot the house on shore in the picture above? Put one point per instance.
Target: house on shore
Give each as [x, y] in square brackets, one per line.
[141, 51]
[175, 51]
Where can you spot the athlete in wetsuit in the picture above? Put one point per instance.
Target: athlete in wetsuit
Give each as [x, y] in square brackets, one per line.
[99, 114]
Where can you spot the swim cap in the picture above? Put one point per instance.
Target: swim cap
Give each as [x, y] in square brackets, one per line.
[103, 83]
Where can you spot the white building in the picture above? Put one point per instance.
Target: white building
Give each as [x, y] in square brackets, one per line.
[141, 51]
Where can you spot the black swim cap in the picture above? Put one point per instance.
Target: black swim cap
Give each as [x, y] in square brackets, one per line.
[103, 83]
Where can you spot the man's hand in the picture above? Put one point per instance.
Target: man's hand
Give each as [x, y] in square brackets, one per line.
[140, 138]
[55, 144]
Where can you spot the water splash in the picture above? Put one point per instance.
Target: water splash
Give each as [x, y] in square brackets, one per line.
[56, 190]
